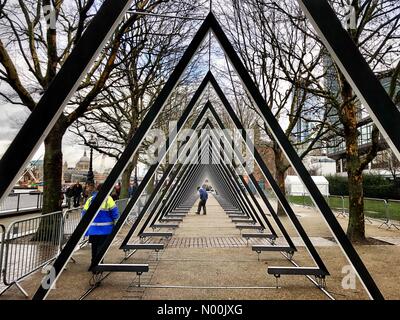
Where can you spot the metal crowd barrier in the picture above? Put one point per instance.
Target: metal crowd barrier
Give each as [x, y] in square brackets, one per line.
[71, 218]
[371, 209]
[30, 244]
[385, 211]
[24, 202]
[27, 245]
[392, 214]
[338, 204]
[2, 236]
[121, 204]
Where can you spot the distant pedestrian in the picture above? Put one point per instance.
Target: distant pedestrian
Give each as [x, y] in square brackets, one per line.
[103, 223]
[86, 193]
[132, 189]
[118, 190]
[203, 199]
[77, 191]
[69, 194]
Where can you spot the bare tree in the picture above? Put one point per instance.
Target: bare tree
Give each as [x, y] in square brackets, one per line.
[284, 62]
[387, 160]
[374, 28]
[149, 53]
[33, 48]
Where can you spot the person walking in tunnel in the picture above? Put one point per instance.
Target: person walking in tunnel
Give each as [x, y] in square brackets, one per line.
[203, 199]
[103, 223]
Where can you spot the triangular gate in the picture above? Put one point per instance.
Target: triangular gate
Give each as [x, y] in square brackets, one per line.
[347, 56]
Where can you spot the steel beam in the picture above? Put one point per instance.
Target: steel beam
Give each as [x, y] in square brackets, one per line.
[55, 98]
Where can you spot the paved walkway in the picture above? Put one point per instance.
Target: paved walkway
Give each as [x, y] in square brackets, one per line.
[208, 259]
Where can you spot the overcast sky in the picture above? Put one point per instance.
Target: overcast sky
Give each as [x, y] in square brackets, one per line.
[12, 117]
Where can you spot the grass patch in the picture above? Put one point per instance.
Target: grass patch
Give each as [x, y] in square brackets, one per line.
[372, 208]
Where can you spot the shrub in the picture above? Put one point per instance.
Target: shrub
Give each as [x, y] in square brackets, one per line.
[338, 185]
[375, 186]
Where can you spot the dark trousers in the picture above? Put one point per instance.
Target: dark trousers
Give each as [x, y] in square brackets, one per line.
[202, 204]
[77, 201]
[69, 202]
[97, 242]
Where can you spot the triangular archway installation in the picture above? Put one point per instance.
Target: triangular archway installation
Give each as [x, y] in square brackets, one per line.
[327, 25]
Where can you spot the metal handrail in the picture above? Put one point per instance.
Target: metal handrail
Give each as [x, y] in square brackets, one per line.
[15, 203]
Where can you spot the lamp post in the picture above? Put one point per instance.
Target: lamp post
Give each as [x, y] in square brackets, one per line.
[90, 176]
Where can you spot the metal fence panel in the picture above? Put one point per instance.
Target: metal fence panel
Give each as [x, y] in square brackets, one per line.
[121, 204]
[28, 201]
[2, 235]
[393, 214]
[31, 244]
[340, 204]
[373, 208]
[71, 220]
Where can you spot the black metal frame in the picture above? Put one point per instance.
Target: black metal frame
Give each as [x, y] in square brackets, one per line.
[265, 171]
[321, 271]
[233, 183]
[177, 190]
[172, 198]
[237, 154]
[149, 174]
[165, 175]
[226, 173]
[267, 174]
[338, 42]
[260, 192]
[296, 163]
[242, 180]
[59, 92]
[125, 157]
[175, 197]
[208, 105]
[235, 189]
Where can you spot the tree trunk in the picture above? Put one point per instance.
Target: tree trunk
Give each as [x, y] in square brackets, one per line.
[280, 177]
[356, 227]
[52, 169]
[49, 228]
[126, 179]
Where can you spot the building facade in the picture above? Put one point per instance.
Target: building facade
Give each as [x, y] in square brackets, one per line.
[336, 149]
